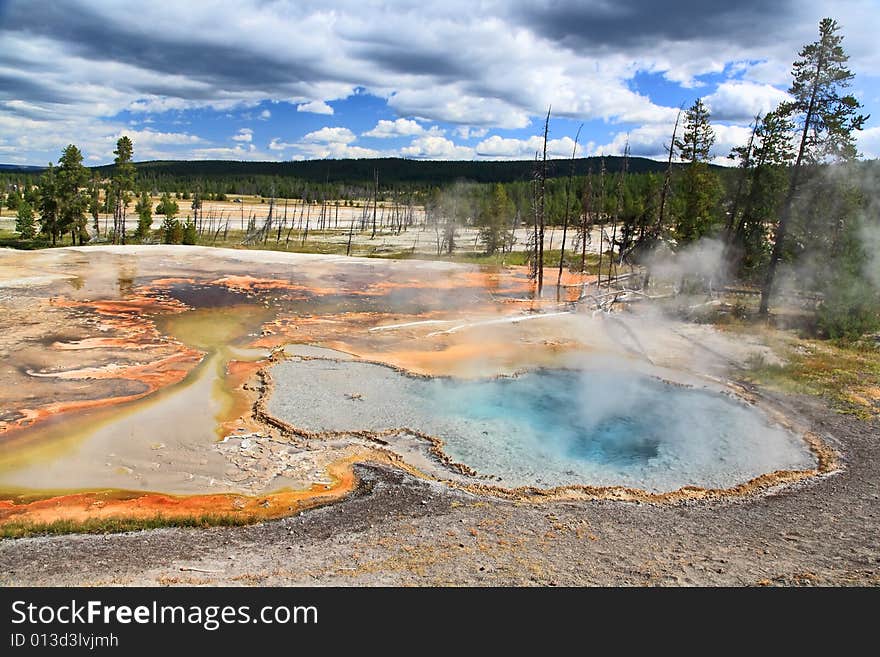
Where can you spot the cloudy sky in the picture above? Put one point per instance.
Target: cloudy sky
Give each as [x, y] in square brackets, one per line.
[276, 80]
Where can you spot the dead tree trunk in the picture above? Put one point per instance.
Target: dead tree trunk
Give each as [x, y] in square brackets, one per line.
[599, 217]
[664, 191]
[306, 230]
[782, 226]
[541, 212]
[737, 198]
[586, 220]
[375, 200]
[565, 216]
[618, 210]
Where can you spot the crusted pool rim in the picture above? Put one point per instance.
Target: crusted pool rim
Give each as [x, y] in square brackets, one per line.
[828, 459]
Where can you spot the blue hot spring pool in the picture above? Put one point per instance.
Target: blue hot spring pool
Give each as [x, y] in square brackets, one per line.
[550, 427]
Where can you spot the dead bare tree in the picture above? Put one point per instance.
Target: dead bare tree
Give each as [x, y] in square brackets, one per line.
[267, 227]
[740, 185]
[350, 233]
[567, 209]
[375, 200]
[306, 230]
[541, 205]
[532, 246]
[586, 218]
[282, 223]
[664, 191]
[599, 217]
[618, 210]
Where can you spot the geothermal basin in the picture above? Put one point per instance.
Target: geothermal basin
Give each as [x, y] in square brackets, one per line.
[182, 380]
[549, 427]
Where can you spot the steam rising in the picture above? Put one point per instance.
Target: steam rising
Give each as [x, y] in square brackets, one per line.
[701, 261]
[601, 426]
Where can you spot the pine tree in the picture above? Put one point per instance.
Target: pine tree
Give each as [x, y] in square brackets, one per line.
[196, 207]
[699, 187]
[189, 235]
[31, 194]
[122, 182]
[144, 209]
[698, 137]
[71, 176]
[48, 204]
[24, 221]
[827, 119]
[95, 205]
[13, 199]
[172, 230]
[494, 233]
[771, 155]
[167, 206]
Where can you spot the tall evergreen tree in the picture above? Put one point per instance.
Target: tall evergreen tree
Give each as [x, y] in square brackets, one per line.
[121, 184]
[768, 156]
[24, 221]
[697, 137]
[13, 198]
[700, 188]
[72, 203]
[30, 193]
[144, 209]
[494, 232]
[95, 205]
[167, 206]
[827, 120]
[48, 204]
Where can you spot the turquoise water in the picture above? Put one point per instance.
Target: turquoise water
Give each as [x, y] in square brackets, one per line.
[558, 427]
[551, 427]
[575, 414]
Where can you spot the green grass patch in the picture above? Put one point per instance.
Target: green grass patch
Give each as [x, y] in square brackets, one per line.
[847, 374]
[117, 525]
[11, 239]
[516, 258]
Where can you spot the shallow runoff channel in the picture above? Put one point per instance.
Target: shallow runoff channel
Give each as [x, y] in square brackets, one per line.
[162, 442]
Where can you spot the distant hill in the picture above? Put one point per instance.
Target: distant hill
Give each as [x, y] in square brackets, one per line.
[20, 167]
[391, 170]
[290, 177]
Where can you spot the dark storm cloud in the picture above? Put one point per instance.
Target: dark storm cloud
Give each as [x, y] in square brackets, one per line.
[617, 24]
[410, 62]
[91, 35]
[18, 88]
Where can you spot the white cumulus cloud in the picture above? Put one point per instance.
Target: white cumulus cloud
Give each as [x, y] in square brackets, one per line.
[315, 107]
[398, 128]
[868, 142]
[434, 147]
[738, 100]
[327, 135]
[245, 135]
[525, 149]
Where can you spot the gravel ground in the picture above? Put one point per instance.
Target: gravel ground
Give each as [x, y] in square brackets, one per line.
[397, 530]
